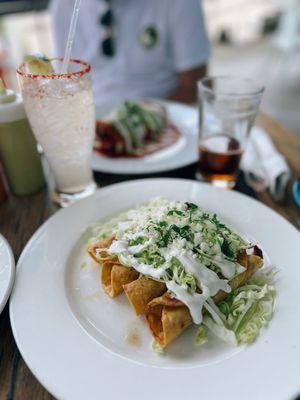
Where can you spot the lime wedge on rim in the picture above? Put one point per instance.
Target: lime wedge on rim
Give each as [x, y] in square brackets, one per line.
[38, 64]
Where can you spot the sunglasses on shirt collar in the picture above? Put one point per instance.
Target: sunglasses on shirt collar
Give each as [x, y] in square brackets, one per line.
[107, 21]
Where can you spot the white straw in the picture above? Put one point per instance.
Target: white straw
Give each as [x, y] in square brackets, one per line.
[68, 49]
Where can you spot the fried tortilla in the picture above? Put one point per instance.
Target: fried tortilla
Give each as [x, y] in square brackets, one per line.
[141, 291]
[167, 317]
[98, 250]
[113, 275]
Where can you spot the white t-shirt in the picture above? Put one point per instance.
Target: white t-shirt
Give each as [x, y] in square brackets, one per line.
[135, 71]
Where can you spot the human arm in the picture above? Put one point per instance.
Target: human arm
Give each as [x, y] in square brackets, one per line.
[186, 91]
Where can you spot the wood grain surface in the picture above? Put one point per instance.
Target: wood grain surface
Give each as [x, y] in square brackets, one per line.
[20, 217]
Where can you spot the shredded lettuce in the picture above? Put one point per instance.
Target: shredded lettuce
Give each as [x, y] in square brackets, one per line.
[156, 347]
[239, 318]
[102, 230]
[135, 120]
[220, 331]
[83, 265]
[200, 337]
[156, 234]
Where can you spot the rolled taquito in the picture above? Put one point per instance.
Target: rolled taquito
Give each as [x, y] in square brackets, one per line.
[113, 275]
[141, 291]
[98, 250]
[167, 317]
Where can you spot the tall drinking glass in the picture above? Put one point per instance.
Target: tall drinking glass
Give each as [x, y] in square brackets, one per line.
[227, 109]
[61, 111]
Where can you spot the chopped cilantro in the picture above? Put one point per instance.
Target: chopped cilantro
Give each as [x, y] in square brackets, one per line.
[191, 206]
[162, 223]
[150, 258]
[177, 212]
[227, 249]
[139, 240]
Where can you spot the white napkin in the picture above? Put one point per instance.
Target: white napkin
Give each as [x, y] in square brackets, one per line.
[264, 167]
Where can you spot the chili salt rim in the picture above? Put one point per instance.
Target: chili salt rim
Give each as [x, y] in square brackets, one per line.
[86, 69]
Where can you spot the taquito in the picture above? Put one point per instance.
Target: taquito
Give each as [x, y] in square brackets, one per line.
[98, 250]
[167, 317]
[113, 275]
[141, 291]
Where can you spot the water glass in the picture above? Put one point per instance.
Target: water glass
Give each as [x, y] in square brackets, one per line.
[227, 109]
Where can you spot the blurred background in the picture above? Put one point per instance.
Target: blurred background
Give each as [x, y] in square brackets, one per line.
[258, 39]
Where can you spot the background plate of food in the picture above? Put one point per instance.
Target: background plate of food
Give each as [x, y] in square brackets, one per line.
[79, 333]
[145, 137]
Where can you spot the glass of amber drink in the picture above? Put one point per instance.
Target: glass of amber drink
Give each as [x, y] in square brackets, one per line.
[227, 109]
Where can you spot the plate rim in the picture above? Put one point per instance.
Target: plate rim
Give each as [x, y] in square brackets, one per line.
[12, 264]
[54, 391]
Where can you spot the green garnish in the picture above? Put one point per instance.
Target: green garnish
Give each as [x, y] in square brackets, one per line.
[191, 206]
[134, 121]
[83, 265]
[244, 312]
[181, 224]
[135, 242]
[150, 258]
[195, 255]
[177, 212]
[156, 347]
[200, 337]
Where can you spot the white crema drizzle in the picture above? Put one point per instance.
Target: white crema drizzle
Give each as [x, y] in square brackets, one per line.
[207, 280]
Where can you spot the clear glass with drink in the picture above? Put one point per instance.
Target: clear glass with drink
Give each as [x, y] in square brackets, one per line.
[61, 111]
[227, 109]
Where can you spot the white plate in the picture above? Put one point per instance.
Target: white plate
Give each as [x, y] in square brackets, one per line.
[7, 271]
[72, 336]
[180, 154]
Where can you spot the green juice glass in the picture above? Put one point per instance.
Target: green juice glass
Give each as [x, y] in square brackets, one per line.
[18, 149]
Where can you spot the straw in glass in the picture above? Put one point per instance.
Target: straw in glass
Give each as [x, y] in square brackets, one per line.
[71, 34]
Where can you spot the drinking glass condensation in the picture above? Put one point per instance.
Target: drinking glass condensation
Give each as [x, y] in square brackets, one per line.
[227, 109]
[61, 111]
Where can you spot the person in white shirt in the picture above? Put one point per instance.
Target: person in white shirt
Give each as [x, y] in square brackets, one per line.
[137, 48]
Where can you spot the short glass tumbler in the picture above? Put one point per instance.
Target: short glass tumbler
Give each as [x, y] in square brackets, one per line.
[227, 109]
[61, 112]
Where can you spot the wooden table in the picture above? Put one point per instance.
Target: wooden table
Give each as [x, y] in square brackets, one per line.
[20, 217]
